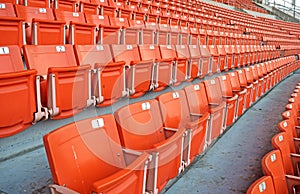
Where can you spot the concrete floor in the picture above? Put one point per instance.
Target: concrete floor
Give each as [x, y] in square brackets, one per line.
[230, 165]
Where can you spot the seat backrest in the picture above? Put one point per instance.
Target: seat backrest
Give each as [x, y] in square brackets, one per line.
[11, 30]
[92, 54]
[125, 53]
[272, 165]
[280, 142]
[221, 49]
[249, 74]
[254, 72]
[242, 78]
[7, 10]
[83, 152]
[41, 57]
[213, 50]
[235, 82]
[28, 13]
[225, 84]
[69, 16]
[228, 49]
[174, 109]
[182, 51]
[140, 125]
[194, 51]
[11, 60]
[197, 99]
[287, 127]
[122, 22]
[213, 91]
[167, 51]
[149, 52]
[97, 19]
[263, 185]
[204, 51]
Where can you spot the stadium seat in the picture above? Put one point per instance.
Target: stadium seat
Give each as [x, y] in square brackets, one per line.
[262, 77]
[62, 86]
[272, 165]
[162, 68]
[17, 93]
[179, 68]
[205, 60]
[87, 157]
[242, 92]
[257, 78]
[250, 80]
[230, 98]
[12, 31]
[290, 160]
[215, 62]
[174, 107]
[236, 56]
[223, 58]
[262, 185]
[78, 31]
[141, 128]
[196, 67]
[139, 75]
[230, 56]
[244, 84]
[216, 108]
[183, 62]
[109, 81]
[40, 26]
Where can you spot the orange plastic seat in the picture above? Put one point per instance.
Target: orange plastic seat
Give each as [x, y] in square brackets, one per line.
[62, 85]
[139, 74]
[179, 64]
[40, 26]
[141, 129]
[195, 67]
[87, 157]
[205, 60]
[250, 80]
[230, 56]
[242, 92]
[290, 160]
[215, 62]
[109, 80]
[244, 84]
[257, 79]
[230, 98]
[236, 56]
[175, 108]
[262, 185]
[17, 92]
[216, 107]
[223, 58]
[78, 31]
[183, 62]
[38, 3]
[12, 31]
[273, 166]
[162, 68]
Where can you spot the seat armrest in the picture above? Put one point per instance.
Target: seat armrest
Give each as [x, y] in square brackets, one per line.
[295, 161]
[292, 182]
